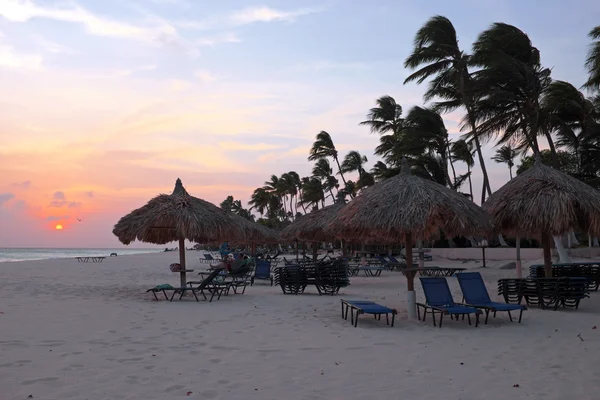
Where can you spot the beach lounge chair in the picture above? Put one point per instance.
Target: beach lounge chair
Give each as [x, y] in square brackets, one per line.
[366, 307]
[207, 284]
[262, 271]
[439, 299]
[208, 258]
[475, 294]
[161, 289]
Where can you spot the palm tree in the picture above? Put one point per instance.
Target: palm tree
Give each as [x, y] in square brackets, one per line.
[260, 200]
[312, 192]
[276, 186]
[462, 151]
[322, 170]
[354, 161]
[323, 147]
[506, 154]
[437, 52]
[592, 63]
[511, 83]
[425, 131]
[381, 171]
[386, 117]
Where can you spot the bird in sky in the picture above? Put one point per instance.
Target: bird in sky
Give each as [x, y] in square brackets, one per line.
[79, 219]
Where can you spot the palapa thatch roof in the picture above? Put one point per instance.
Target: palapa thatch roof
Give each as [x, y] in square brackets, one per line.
[256, 233]
[545, 200]
[170, 217]
[408, 205]
[312, 227]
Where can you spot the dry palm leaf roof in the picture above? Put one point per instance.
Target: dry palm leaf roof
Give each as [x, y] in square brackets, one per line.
[408, 204]
[545, 200]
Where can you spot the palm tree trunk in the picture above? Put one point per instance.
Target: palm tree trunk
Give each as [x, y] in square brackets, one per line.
[552, 149]
[341, 174]
[452, 166]
[486, 180]
[470, 182]
[510, 172]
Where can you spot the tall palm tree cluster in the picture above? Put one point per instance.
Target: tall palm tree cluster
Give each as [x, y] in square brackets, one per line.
[506, 96]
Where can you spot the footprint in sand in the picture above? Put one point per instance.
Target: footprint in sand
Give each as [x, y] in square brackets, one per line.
[130, 360]
[39, 380]
[205, 371]
[52, 343]
[215, 360]
[174, 388]
[149, 367]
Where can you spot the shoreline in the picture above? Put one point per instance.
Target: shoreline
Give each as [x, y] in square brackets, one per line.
[130, 252]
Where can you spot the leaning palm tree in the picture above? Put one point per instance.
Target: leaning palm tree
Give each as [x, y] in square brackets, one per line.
[322, 170]
[260, 200]
[323, 147]
[592, 63]
[511, 83]
[462, 151]
[354, 161]
[386, 117]
[437, 54]
[506, 155]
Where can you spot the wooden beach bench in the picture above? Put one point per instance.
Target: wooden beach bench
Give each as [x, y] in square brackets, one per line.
[358, 307]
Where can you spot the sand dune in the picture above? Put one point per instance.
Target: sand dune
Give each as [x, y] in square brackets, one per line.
[72, 330]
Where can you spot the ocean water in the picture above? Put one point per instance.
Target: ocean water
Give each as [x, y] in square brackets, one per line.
[25, 254]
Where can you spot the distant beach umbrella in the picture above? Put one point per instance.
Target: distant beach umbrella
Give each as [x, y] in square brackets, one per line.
[544, 202]
[179, 216]
[314, 226]
[409, 208]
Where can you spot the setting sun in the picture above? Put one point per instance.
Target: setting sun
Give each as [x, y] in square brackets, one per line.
[58, 227]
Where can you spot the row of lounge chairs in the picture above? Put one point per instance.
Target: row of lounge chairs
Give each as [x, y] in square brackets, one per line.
[439, 300]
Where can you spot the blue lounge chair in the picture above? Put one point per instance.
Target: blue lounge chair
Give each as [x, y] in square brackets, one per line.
[475, 294]
[366, 307]
[262, 271]
[439, 299]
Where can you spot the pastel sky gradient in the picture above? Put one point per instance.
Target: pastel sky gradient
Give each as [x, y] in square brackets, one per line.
[104, 103]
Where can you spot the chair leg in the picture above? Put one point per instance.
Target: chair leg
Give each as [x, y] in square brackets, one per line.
[356, 319]
[487, 315]
[393, 318]
[476, 320]
[509, 316]
[441, 318]
[468, 318]
[387, 318]
[520, 316]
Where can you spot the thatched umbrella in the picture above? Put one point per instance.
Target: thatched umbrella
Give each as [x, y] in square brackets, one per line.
[176, 217]
[312, 227]
[407, 207]
[543, 201]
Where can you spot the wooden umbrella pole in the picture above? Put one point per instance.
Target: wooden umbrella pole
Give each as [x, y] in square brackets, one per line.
[182, 262]
[547, 255]
[410, 279]
[519, 266]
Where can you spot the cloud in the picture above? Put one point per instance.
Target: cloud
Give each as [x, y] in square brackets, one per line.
[74, 204]
[23, 185]
[266, 14]
[57, 218]
[89, 194]
[205, 76]
[58, 199]
[4, 197]
[10, 58]
[211, 41]
[26, 10]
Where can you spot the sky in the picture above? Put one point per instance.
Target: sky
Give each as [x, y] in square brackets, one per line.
[105, 103]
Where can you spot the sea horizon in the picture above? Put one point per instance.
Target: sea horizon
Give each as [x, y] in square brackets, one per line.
[16, 254]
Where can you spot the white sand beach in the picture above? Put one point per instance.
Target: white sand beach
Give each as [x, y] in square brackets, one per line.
[72, 330]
